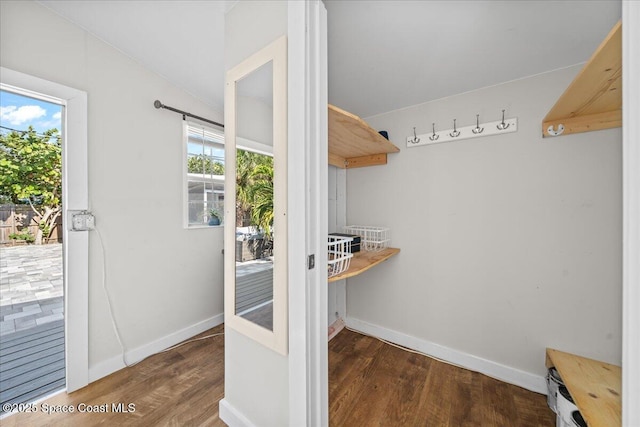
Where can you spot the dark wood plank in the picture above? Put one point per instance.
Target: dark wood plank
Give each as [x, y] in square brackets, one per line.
[370, 384]
[399, 388]
[177, 388]
[347, 381]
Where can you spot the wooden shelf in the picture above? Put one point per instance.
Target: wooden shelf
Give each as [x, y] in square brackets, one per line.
[595, 387]
[593, 101]
[364, 260]
[353, 143]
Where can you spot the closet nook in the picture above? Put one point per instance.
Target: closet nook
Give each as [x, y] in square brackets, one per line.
[353, 144]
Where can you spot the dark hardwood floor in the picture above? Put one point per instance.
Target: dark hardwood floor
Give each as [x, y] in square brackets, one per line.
[376, 384]
[181, 387]
[370, 384]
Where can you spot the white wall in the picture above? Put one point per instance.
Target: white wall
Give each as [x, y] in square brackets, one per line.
[165, 281]
[260, 128]
[510, 243]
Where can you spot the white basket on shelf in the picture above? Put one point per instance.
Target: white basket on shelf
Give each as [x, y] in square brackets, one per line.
[339, 257]
[372, 238]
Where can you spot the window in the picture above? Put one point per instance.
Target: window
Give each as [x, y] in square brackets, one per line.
[204, 175]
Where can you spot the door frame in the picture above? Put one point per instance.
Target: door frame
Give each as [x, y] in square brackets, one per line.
[631, 214]
[75, 197]
[308, 193]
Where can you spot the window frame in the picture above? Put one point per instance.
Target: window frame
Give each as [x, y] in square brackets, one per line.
[186, 125]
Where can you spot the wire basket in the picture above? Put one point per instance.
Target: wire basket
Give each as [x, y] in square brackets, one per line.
[339, 257]
[372, 239]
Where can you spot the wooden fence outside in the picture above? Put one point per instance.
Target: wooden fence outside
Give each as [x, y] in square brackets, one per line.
[17, 218]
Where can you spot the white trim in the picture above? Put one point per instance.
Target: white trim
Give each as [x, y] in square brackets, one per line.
[231, 416]
[335, 328]
[299, 313]
[185, 184]
[308, 195]
[113, 364]
[254, 146]
[495, 370]
[75, 197]
[631, 214]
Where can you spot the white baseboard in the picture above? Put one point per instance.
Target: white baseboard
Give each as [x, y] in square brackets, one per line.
[113, 364]
[231, 416]
[335, 328]
[495, 370]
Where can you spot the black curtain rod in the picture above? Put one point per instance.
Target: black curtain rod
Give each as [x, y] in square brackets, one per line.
[159, 104]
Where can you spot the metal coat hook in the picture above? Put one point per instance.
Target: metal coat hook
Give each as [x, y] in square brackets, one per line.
[502, 125]
[477, 129]
[434, 137]
[415, 139]
[455, 132]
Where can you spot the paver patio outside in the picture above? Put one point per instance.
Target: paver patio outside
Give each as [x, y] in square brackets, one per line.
[31, 286]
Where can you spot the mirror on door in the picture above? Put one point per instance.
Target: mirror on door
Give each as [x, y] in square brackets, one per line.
[256, 140]
[255, 234]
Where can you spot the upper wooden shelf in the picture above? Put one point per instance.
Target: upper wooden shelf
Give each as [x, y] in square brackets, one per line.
[364, 260]
[593, 101]
[595, 386]
[353, 143]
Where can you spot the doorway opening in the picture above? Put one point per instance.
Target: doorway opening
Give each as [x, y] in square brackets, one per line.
[32, 334]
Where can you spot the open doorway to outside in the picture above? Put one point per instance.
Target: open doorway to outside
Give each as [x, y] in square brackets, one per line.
[32, 329]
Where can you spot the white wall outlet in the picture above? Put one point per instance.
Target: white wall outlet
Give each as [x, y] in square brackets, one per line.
[83, 221]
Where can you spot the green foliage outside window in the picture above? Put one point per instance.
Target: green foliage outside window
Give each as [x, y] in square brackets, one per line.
[31, 173]
[204, 165]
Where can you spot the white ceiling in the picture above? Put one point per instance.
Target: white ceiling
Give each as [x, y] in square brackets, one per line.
[383, 55]
[182, 41]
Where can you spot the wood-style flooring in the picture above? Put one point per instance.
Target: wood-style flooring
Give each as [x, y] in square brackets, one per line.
[370, 384]
[181, 387]
[375, 384]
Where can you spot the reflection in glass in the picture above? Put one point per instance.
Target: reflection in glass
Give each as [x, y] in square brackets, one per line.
[205, 175]
[254, 198]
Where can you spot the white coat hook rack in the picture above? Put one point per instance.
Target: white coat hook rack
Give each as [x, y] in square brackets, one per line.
[456, 134]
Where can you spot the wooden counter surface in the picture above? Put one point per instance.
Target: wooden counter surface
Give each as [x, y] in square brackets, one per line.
[364, 260]
[595, 386]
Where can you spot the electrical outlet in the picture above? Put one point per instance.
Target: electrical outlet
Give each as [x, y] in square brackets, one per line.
[83, 221]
